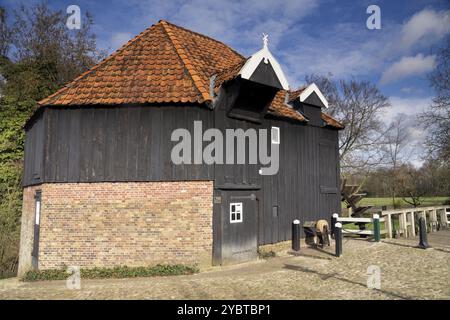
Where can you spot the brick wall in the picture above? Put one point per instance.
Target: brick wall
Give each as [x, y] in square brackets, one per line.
[107, 224]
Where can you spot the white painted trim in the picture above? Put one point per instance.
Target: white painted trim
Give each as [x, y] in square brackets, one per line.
[250, 66]
[37, 210]
[238, 209]
[277, 134]
[309, 90]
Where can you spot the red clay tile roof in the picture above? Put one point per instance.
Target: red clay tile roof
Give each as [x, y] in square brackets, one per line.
[330, 121]
[296, 93]
[228, 74]
[280, 109]
[164, 64]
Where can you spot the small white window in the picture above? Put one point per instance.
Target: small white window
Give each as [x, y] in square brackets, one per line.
[275, 133]
[235, 212]
[37, 208]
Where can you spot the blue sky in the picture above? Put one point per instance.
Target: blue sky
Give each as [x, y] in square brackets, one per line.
[306, 36]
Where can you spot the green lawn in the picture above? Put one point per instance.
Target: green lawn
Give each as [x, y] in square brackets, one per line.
[426, 201]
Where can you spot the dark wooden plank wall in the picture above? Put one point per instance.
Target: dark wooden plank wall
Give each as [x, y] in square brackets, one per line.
[296, 189]
[128, 143]
[116, 144]
[306, 186]
[34, 152]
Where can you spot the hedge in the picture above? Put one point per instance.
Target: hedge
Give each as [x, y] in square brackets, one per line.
[108, 273]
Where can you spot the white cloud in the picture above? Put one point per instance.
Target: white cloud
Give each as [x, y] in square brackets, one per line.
[351, 50]
[236, 22]
[408, 106]
[425, 26]
[408, 66]
[409, 109]
[120, 38]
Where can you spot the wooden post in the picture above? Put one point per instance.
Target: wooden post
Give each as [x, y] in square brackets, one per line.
[413, 224]
[423, 243]
[334, 218]
[389, 225]
[424, 216]
[338, 238]
[405, 223]
[444, 218]
[376, 227]
[296, 235]
[434, 219]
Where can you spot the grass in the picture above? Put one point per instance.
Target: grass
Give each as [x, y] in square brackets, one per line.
[267, 254]
[115, 272]
[386, 201]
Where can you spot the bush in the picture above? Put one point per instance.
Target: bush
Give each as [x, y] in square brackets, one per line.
[115, 272]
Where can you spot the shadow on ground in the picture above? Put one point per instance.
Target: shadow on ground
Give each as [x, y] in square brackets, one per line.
[326, 276]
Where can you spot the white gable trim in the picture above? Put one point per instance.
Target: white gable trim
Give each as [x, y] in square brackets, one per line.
[309, 90]
[250, 66]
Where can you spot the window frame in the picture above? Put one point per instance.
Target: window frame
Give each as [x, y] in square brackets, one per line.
[237, 211]
[272, 130]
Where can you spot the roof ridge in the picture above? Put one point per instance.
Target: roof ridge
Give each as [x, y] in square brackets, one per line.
[97, 65]
[201, 35]
[204, 92]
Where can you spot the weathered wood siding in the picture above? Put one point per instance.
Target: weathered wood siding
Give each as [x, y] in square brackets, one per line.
[34, 152]
[132, 143]
[115, 144]
[306, 186]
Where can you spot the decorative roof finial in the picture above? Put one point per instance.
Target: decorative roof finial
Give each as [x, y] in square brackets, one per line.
[265, 39]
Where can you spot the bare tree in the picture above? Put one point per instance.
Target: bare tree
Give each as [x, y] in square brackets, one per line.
[437, 118]
[39, 34]
[411, 187]
[5, 34]
[395, 142]
[358, 105]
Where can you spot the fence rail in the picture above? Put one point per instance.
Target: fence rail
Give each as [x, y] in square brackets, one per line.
[407, 225]
[363, 220]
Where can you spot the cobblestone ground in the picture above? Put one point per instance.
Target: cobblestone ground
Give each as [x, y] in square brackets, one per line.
[406, 273]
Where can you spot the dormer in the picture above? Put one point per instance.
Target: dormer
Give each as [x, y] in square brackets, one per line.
[310, 102]
[255, 85]
[262, 67]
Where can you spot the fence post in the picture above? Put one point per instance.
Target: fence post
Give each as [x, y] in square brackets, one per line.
[296, 235]
[376, 227]
[334, 218]
[338, 238]
[413, 224]
[423, 242]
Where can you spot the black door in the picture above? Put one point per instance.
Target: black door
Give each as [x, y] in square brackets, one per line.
[239, 226]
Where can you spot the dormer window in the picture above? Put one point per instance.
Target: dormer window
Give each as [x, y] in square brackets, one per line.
[258, 81]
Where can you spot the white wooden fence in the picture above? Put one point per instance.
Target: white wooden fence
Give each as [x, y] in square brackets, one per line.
[356, 231]
[407, 222]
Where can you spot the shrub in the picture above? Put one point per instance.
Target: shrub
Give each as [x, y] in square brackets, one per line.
[115, 272]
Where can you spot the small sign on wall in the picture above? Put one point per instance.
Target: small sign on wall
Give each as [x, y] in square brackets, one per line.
[218, 199]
